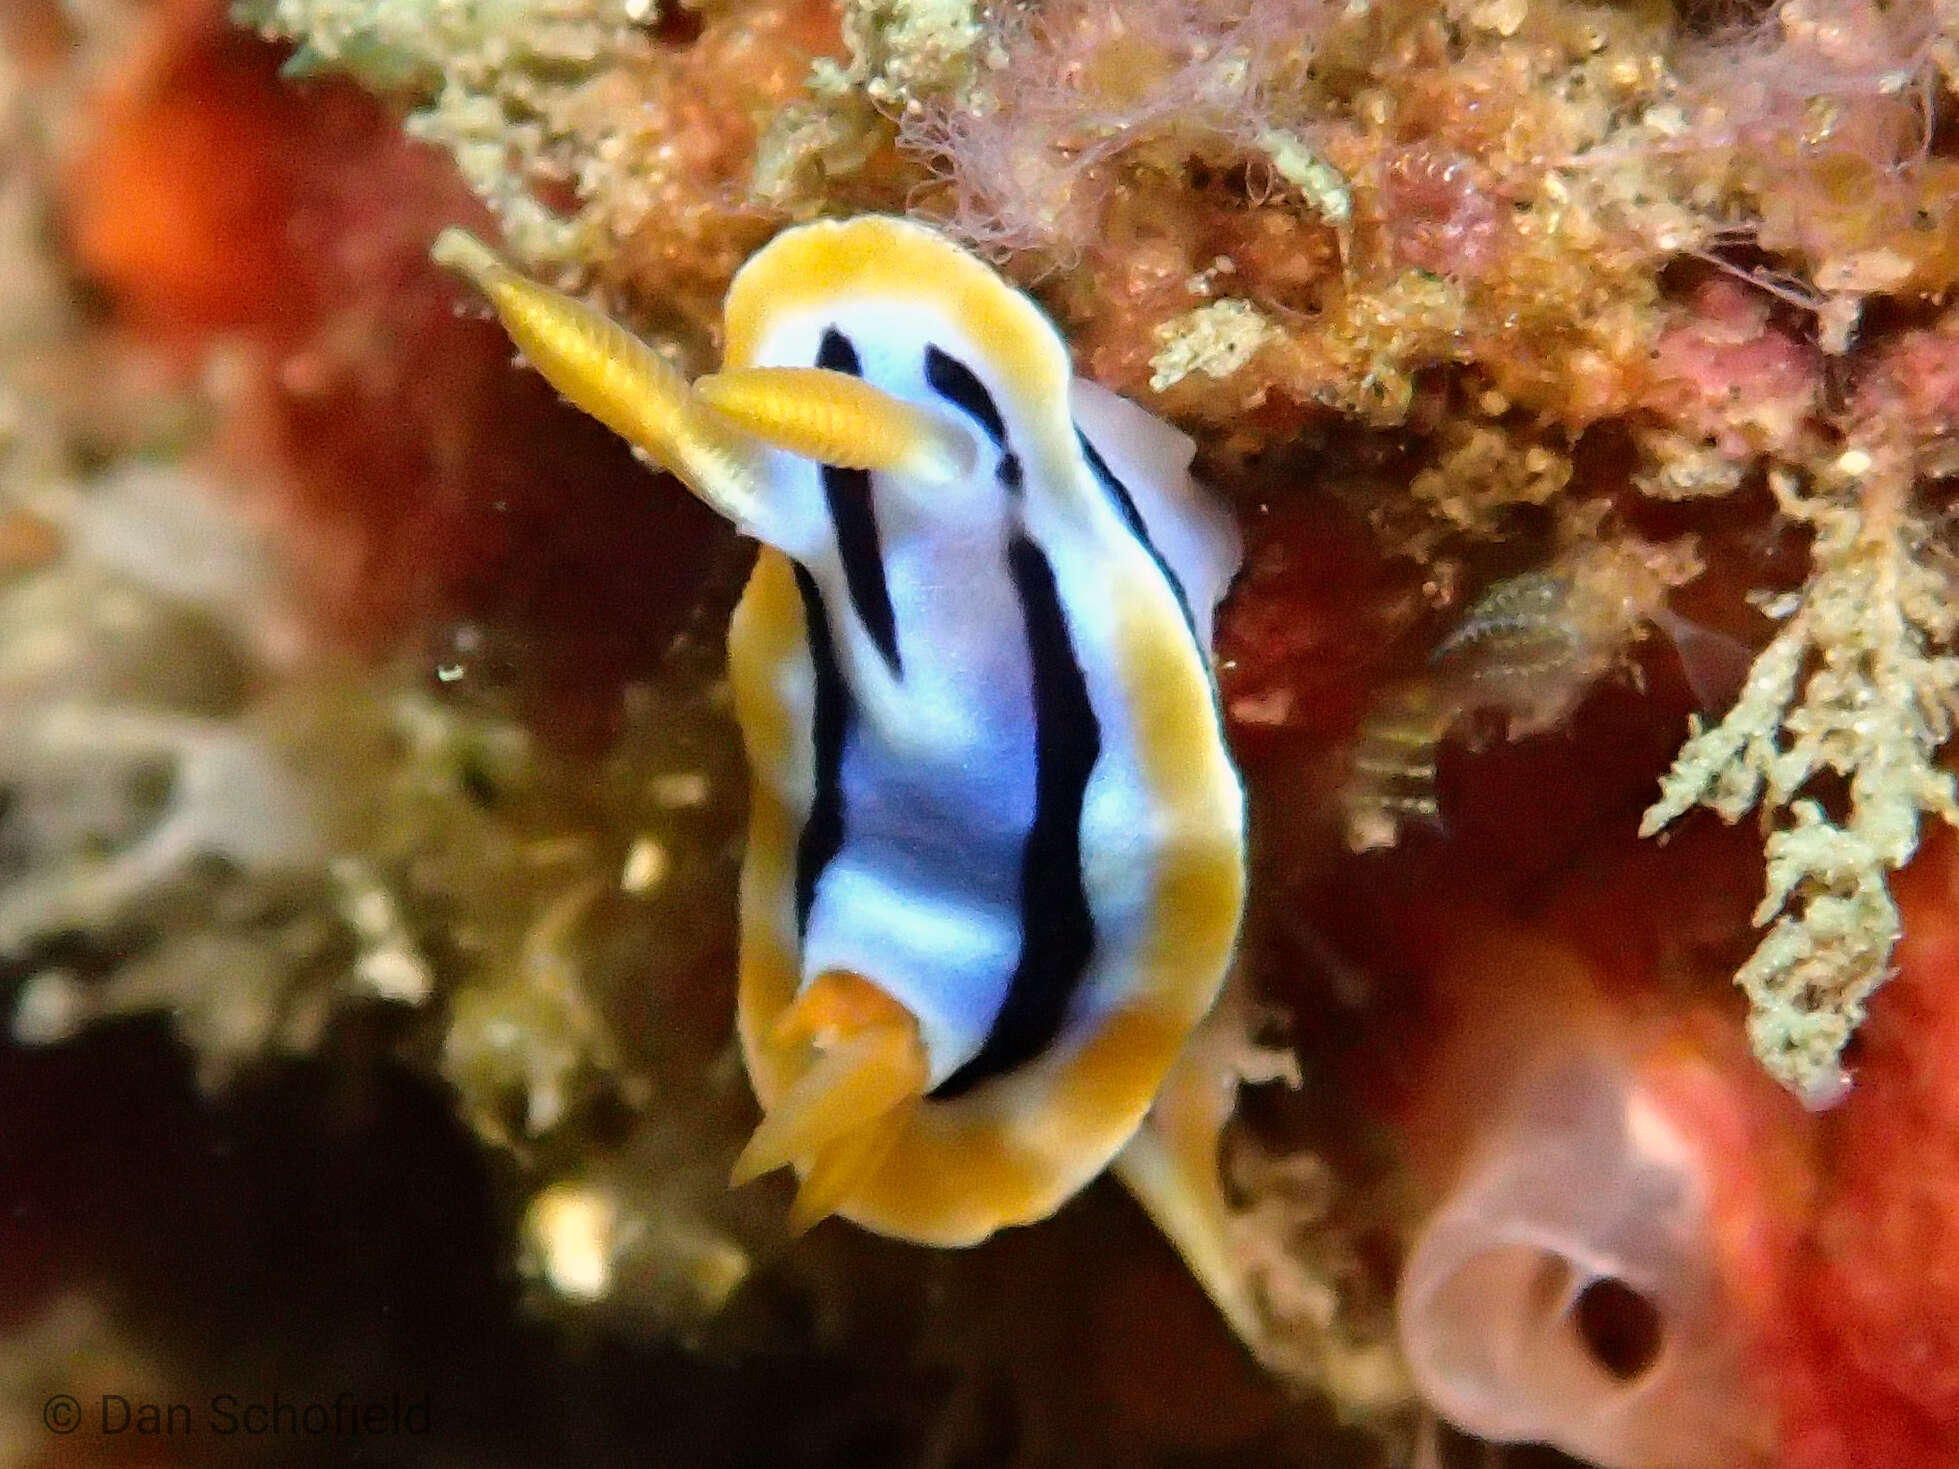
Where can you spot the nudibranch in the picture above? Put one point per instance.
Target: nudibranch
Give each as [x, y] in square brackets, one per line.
[995, 863]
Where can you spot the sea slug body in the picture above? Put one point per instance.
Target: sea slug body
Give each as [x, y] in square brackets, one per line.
[995, 866]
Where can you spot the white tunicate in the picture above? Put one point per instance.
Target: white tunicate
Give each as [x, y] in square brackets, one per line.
[1564, 1291]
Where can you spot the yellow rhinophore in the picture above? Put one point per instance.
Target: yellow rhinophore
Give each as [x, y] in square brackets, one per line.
[707, 434]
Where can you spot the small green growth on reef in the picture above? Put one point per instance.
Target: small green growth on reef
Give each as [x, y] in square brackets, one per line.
[1215, 339]
[1858, 683]
[497, 82]
[903, 53]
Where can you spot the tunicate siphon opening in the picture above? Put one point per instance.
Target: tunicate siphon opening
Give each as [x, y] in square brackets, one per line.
[1564, 1292]
[1620, 1327]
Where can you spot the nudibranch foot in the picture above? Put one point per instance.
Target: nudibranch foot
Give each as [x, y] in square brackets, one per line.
[1175, 1178]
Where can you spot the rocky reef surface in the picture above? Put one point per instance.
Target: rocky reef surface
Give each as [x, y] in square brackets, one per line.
[1585, 378]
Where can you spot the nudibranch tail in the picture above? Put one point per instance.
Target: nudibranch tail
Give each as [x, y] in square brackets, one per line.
[1171, 1166]
[838, 419]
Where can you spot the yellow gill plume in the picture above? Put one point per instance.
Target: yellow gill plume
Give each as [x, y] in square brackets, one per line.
[842, 1116]
[708, 435]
